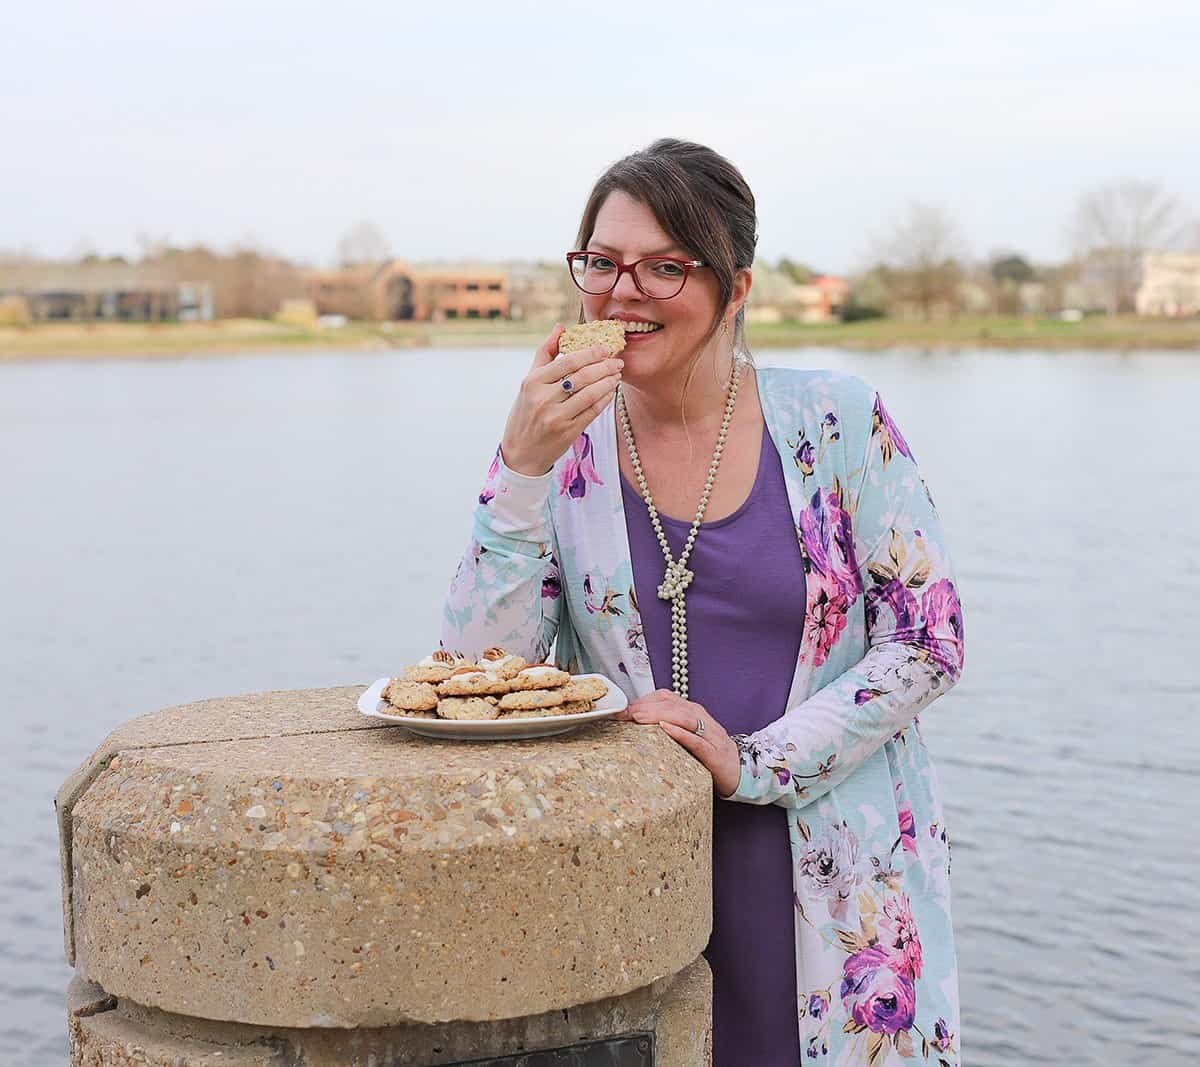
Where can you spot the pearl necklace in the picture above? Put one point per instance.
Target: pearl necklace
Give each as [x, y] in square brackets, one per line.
[677, 577]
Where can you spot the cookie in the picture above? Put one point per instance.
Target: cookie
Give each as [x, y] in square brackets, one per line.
[435, 668]
[532, 713]
[472, 682]
[527, 699]
[467, 708]
[607, 332]
[584, 689]
[397, 713]
[539, 676]
[502, 663]
[410, 696]
[575, 707]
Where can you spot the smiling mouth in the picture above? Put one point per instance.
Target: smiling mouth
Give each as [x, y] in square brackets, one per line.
[642, 327]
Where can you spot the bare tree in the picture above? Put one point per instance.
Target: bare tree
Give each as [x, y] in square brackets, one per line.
[363, 243]
[923, 259]
[1114, 226]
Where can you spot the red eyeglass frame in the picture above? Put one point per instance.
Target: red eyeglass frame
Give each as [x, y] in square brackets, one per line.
[688, 266]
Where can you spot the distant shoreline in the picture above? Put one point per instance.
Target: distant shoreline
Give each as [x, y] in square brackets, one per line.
[242, 336]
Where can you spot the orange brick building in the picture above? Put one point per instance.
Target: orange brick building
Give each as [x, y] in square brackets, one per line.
[396, 291]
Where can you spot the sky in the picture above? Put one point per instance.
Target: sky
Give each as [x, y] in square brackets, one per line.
[475, 130]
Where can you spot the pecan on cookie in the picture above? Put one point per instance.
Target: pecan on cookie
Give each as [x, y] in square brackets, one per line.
[502, 663]
[435, 668]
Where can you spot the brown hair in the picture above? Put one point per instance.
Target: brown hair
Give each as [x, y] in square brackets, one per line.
[702, 202]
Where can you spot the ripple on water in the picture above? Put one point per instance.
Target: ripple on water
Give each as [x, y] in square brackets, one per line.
[1067, 755]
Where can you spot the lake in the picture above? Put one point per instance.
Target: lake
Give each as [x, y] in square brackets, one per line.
[180, 529]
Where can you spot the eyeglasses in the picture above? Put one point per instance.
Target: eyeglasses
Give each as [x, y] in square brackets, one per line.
[658, 277]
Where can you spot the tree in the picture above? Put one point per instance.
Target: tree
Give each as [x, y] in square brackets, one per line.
[363, 243]
[798, 272]
[1114, 226]
[922, 259]
[1011, 269]
[1007, 273]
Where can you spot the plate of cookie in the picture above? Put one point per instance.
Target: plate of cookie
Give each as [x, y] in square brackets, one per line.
[501, 697]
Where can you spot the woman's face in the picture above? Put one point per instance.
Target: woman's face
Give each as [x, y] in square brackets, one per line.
[627, 230]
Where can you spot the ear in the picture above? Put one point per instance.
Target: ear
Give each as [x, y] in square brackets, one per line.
[741, 289]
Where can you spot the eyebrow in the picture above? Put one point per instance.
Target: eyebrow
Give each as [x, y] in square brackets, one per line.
[657, 252]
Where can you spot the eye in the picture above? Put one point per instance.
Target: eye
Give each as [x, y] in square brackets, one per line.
[600, 263]
[667, 269]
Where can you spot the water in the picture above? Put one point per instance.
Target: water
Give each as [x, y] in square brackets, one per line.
[185, 529]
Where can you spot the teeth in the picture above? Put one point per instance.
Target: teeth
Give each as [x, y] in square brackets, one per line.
[642, 327]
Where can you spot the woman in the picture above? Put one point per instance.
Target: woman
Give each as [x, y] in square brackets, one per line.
[754, 557]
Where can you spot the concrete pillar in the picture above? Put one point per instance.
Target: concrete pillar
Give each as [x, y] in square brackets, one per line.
[279, 880]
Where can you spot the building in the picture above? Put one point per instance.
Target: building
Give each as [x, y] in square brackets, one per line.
[542, 292]
[99, 289]
[395, 291]
[776, 297]
[383, 292]
[462, 293]
[829, 297]
[1170, 284]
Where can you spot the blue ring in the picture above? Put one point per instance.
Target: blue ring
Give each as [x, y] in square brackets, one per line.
[567, 386]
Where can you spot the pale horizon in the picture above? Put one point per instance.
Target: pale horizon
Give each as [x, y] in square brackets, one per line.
[462, 135]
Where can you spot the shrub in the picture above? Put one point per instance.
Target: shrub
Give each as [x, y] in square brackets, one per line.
[299, 314]
[14, 311]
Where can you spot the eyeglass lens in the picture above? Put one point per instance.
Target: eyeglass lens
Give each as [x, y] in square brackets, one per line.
[658, 278]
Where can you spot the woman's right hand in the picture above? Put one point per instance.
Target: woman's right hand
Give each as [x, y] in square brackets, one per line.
[545, 419]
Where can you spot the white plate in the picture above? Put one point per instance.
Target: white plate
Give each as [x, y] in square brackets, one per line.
[373, 706]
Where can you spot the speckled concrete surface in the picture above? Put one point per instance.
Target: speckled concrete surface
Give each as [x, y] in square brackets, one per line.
[269, 714]
[366, 877]
[105, 1033]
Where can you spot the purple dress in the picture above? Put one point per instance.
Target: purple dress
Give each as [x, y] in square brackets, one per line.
[745, 614]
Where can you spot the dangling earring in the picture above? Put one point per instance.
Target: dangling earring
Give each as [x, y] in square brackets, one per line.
[733, 359]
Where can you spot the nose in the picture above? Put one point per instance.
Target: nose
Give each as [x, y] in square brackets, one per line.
[626, 289]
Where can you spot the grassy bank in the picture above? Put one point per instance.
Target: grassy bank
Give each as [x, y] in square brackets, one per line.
[100, 340]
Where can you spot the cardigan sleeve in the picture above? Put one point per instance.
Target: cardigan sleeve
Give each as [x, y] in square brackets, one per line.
[899, 565]
[506, 590]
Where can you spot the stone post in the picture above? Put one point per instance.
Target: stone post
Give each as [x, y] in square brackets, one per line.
[273, 879]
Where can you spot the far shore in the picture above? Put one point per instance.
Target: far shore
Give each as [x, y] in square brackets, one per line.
[241, 336]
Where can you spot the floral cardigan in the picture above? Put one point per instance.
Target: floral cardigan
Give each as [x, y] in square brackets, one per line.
[549, 561]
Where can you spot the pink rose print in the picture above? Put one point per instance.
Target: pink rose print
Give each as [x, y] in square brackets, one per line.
[908, 829]
[943, 616]
[875, 994]
[898, 933]
[578, 470]
[827, 611]
[827, 534]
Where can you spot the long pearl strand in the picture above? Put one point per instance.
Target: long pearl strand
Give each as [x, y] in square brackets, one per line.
[677, 578]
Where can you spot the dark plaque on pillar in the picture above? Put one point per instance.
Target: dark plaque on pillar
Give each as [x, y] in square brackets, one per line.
[633, 1050]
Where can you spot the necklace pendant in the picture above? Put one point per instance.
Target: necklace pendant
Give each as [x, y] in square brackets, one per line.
[675, 581]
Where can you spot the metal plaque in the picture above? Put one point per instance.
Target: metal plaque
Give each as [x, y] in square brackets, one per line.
[632, 1050]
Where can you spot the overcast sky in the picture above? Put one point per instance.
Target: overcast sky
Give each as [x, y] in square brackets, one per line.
[474, 130]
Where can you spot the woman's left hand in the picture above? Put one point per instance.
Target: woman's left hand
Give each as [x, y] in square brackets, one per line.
[678, 718]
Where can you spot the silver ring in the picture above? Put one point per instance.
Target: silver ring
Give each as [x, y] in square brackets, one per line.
[699, 731]
[567, 387]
